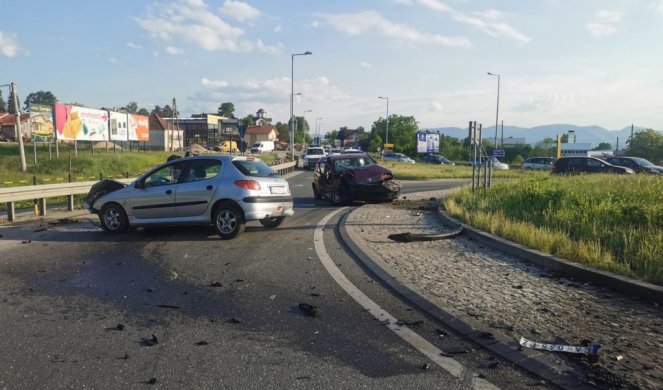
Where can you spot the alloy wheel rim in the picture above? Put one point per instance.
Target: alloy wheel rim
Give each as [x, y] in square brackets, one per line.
[227, 222]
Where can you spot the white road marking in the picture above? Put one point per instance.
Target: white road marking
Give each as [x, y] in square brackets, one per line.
[452, 366]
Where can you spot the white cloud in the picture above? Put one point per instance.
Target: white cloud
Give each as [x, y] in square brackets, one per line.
[113, 60]
[609, 16]
[278, 28]
[135, 46]
[435, 106]
[403, 2]
[365, 65]
[373, 22]
[486, 21]
[172, 50]
[8, 45]
[207, 83]
[240, 11]
[185, 22]
[659, 7]
[600, 30]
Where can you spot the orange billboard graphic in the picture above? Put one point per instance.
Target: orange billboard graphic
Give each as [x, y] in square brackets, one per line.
[139, 128]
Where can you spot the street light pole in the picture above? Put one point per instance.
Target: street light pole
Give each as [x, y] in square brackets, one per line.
[386, 134]
[14, 94]
[317, 130]
[292, 93]
[497, 113]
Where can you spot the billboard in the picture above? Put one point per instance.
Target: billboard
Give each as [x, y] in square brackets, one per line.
[81, 124]
[428, 143]
[41, 123]
[139, 127]
[119, 126]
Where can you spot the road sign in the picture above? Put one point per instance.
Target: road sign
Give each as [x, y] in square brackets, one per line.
[498, 153]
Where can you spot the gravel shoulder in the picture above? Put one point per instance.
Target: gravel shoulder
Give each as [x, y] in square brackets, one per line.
[482, 285]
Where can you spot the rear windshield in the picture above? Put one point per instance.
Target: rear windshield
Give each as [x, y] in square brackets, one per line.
[315, 151]
[255, 168]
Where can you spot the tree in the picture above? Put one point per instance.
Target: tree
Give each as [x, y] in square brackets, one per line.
[11, 107]
[143, 111]
[132, 107]
[227, 109]
[647, 144]
[282, 130]
[42, 97]
[157, 110]
[302, 131]
[603, 146]
[3, 104]
[249, 120]
[168, 111]
[402, 132]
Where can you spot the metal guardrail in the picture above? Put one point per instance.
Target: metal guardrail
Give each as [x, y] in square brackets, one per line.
[41, 192]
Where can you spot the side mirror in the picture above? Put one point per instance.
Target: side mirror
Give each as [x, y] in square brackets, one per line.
[139, 184]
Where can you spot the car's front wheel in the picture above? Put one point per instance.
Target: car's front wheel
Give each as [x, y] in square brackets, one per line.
[316, 192]
[272, 222]
[228, 221]
[113, 218]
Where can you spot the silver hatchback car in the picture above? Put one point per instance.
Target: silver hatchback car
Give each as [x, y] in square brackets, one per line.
[222, 191]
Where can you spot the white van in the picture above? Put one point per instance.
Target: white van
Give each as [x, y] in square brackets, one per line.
[262, 146]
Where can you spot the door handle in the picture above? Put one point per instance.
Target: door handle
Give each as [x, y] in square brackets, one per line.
[209, 187]
[168, 192]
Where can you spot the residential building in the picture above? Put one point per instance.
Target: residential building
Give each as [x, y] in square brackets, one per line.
[164, 135]
[8, 126]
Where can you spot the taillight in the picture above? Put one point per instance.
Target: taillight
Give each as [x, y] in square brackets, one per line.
[248, 184]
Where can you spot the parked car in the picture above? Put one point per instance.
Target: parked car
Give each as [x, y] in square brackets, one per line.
[262, 146]
[335, 151]
[636, 163]
[575, 165]
[437, 159]
[312, 155]
[540, 163]
[346, 178]
[497, 164]
[226, 147]
[222, 191]
[399, 157]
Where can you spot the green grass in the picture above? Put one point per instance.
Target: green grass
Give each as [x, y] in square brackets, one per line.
[85, 165]
[422, 171]
[610, 222]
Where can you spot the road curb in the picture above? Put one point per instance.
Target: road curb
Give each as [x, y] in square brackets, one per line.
[621, 284]
[500, 345]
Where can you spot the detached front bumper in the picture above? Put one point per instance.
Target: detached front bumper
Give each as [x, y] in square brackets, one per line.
[378, 191]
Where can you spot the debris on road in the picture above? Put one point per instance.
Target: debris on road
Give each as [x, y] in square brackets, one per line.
[441, 333]
[145, 342]
[169, 306]
[235, 320]
[455, 351]
[489, 364]
[119, 327]
[310, 310]
[425, 366]
[202, 342]
[125, 357]
[152, 381]
[409, 323]
[62, 221]
[592, 349]
[215, 284]
[39, 230]
[508, 327]
[409, 237]
[26, 241]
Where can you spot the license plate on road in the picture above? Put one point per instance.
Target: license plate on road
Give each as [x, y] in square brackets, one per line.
[277, 190]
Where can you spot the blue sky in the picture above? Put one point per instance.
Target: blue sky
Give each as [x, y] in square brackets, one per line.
[589, 62]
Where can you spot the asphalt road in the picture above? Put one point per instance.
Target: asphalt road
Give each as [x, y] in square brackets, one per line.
[180, 308]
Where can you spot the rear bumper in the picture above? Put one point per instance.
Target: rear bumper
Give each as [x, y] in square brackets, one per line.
[256, 208]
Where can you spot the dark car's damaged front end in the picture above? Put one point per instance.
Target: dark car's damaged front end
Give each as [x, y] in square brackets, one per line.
[372, 183]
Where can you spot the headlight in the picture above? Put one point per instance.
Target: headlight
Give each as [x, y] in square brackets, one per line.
[629, 170]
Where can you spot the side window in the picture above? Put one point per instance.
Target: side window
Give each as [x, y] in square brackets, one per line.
[202, 170]
[320, 168]
[164, 176]
[594, 163]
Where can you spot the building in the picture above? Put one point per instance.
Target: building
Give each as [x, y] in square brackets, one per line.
[583, 150]
[8, 126]
[257, 133]
[203, 129]
[164, 135]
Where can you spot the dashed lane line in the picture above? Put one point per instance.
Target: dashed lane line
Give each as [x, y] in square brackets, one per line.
[450, 365]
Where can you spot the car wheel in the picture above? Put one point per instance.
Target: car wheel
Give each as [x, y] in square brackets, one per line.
[316, 193]
[228, 221]
[336, 198]
[272, 222]
[113, 218]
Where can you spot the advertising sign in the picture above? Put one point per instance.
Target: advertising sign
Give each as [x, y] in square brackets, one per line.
[428, 143]
[79, 123]
[119, 126]
[41, 123]
[139, 128]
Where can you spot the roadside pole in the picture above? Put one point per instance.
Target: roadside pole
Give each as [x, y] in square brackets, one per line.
[18, 128]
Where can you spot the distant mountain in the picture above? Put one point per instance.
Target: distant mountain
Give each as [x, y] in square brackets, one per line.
[584, 134]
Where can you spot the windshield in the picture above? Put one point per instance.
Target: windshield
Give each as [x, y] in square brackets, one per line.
[643, 163]
[343, 164]
[315, 151]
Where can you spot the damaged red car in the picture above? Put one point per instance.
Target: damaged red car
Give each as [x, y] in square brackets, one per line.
[346, 178]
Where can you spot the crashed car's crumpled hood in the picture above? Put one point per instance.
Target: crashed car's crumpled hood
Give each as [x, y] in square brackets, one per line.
[102, 188]
[368, 171]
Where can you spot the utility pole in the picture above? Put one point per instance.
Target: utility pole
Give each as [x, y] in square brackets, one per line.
[18, 128]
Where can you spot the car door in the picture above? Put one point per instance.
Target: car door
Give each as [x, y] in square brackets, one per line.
[325, 176]
[199, 183]
[154, 196]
